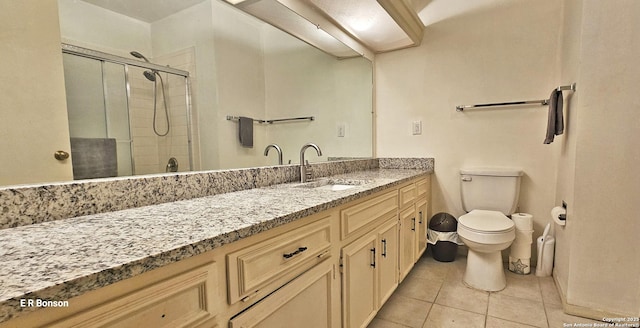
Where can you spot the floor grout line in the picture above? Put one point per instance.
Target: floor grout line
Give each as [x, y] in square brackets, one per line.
[451, 270]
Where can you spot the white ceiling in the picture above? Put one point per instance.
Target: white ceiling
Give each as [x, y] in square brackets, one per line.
[145, 10]
[430, 11]
[434, 11]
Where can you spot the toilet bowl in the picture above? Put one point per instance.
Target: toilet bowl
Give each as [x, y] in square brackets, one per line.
[488, 195]
[486, 233]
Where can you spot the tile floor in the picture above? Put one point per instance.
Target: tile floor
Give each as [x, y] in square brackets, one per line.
[433, 296]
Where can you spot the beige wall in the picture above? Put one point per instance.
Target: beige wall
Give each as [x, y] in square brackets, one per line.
[333, 91]
[248, 68]
[521, 51]
[570, 54]
[507, 52]
[603, 271]
[33, 111]
[87, 25]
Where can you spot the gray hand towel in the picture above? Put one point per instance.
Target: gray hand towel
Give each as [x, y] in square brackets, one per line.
[94, 158]
[555, 123]
[246, 131]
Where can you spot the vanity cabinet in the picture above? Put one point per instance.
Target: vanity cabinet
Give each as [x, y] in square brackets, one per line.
[359, 282]
[307, 301]
[271, 263]
[387, 260]
[383, 237]
[356, 218]
[421, 228]
[369, 273]
[335, 268]
[182, 294]
[408, 241]
[414, 199]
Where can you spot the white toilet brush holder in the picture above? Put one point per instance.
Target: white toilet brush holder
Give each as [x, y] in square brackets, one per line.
[546, 249]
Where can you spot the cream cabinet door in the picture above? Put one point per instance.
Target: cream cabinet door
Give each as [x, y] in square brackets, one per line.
[359, 282]
[421, 230]
[387, 260]
[305, 302]
[408, 234]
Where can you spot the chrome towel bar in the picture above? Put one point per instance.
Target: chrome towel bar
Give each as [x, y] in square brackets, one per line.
[541, 102]
[306, 118]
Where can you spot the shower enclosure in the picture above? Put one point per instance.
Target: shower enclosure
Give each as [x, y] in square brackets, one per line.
[121, 121]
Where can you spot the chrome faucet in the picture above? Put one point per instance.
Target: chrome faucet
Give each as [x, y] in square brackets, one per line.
[304, 175]
[277, 148]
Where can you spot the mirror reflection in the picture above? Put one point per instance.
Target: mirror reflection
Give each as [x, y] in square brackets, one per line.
[122, 121]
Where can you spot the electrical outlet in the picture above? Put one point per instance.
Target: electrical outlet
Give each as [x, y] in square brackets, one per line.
[417, 128]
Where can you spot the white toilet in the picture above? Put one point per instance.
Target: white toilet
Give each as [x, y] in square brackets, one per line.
[488, 195]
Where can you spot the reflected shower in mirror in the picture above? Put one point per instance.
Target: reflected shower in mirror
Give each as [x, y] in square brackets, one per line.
[110, 100]
[151, 76]
[237, 65]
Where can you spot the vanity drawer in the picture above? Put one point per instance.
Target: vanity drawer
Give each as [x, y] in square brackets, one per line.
[361, 215]
[185, 300]
[273, 262]
[408, 195]
[422, 187]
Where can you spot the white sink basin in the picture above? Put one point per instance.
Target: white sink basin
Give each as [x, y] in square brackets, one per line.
[333, 185]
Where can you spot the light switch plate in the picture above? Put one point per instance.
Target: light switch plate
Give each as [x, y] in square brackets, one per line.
[417, 128]
[341, 129]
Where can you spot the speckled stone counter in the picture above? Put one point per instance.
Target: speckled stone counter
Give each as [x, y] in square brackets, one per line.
[60, 259]
[29, 204]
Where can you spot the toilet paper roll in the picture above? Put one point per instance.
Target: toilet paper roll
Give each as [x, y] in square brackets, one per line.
[521, 250]
[555, 215]
[524, 236]
[522, 221]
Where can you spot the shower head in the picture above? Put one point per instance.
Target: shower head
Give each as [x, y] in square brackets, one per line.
[150, 75]
[139, 55]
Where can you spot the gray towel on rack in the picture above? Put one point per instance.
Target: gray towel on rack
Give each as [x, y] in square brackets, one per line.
[246, 131]
[94, 158]
[555, 123]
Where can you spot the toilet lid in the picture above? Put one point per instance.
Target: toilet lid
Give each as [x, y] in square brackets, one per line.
[486, 221]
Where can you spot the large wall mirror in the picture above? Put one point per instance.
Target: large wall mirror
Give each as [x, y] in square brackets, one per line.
[150, 87]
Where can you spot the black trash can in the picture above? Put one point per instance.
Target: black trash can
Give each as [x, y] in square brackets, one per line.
[444, 251]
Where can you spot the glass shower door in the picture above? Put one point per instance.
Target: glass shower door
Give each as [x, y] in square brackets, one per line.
[98, 113]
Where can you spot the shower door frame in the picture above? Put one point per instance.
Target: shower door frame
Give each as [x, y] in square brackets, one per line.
[126, 62]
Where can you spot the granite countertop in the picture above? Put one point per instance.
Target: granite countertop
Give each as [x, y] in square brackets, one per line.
[60, 259]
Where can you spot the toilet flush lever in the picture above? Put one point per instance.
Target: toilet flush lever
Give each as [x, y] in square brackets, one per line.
[466, 178]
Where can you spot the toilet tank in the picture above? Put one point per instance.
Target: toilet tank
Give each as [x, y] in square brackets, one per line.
[495, 189]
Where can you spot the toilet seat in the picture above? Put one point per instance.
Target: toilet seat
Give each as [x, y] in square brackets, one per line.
[486, 228]
[486, 222]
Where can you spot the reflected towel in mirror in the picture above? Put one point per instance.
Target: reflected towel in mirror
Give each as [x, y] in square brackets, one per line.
[246, 131]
